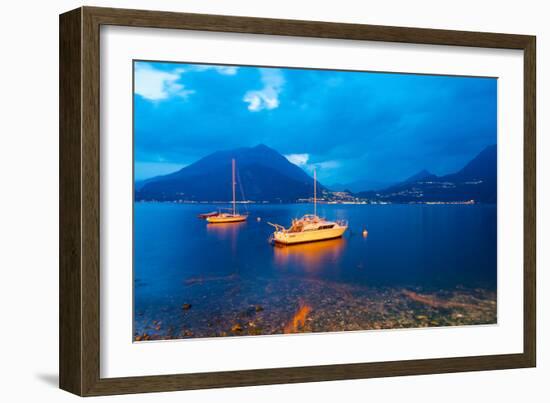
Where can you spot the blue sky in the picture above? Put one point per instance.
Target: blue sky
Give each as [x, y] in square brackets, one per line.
[349, 125]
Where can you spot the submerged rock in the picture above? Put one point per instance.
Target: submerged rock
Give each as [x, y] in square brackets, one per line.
[232, 309]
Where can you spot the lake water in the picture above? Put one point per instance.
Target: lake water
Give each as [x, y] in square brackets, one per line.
[431, 264]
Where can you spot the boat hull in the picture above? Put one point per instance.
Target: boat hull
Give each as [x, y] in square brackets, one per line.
[221, 219]
[206, 215]
[290, 238]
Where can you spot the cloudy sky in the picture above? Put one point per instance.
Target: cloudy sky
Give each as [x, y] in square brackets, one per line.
[349, 125]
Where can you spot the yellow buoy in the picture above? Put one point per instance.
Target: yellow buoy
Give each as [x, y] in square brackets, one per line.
[365, 233]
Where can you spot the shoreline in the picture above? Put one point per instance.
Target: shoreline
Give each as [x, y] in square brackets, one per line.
[262, 203]
[230, 306]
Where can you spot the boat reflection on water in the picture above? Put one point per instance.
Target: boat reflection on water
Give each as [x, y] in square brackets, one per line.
[225, 231]
[311, 256]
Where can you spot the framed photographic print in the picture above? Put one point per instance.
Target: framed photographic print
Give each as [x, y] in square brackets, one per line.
[249, 201]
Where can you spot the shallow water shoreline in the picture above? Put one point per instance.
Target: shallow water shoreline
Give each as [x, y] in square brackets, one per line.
[233, 306]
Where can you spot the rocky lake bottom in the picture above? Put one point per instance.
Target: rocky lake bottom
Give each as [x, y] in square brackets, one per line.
[234, 306]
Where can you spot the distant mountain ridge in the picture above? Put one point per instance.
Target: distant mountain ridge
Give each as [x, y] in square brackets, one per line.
[360, 185]
[476, 181]
[263, 175]
[422, 175]
[266, 175]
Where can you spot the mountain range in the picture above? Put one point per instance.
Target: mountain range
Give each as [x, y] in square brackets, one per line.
[360, 185]
[266, 175]
[477, 181]
[263, 175]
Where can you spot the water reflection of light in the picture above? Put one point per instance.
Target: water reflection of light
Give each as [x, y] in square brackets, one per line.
[298, 321]
[226, 231]
[311, 255]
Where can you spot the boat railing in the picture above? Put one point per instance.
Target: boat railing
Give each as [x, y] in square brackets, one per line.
[278, 227]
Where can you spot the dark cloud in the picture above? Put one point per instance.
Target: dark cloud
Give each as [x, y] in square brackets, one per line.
[370, 125]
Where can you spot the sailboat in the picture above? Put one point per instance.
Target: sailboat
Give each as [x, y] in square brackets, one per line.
[310, 227]
[234, 216]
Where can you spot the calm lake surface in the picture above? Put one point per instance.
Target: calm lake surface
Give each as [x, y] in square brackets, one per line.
[436, 253]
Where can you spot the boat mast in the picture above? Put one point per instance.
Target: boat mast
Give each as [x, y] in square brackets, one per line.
[314, 192]
[233, 183]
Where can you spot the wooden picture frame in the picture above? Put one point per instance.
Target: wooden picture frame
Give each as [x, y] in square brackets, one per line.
[80, 199]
